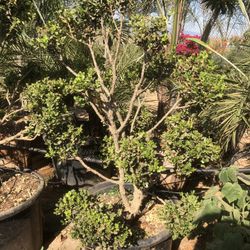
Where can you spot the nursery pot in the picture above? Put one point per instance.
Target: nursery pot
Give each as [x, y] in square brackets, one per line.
[21, 226]
[161, 241]
[71, 172]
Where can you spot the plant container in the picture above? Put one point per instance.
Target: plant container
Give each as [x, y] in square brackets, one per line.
[21, 225]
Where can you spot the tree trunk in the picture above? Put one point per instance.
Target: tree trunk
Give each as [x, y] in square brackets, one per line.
[209, 26]
[136, 202]
[164, 98]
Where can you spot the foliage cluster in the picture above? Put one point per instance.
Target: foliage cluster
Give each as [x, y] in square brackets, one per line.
[185, 147]
[196, 80]
[95, 223]
[51, 102]
[149, 32]
[137, 156]
[179, 216]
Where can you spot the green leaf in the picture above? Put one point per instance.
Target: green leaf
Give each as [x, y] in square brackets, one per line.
[209, 211]
[242, 201]
[232, 192]
[228, 175]
[211, 192]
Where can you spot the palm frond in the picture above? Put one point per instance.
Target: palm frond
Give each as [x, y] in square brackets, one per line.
[231, 115]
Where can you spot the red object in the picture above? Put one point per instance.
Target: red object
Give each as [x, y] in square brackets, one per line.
[187, 47]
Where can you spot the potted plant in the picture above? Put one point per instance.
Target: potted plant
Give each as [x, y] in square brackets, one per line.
[126, 55]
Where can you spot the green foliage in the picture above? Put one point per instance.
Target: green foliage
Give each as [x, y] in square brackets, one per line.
[12, 15]
[84, 20]
[144, 121]
[185, 147]
[179, 217]
[94, 223]
[50, 103]
[223, 7]
[230, 205]
[231, 115]
[149, 32]
[197, 81]
[137, 156]
[239, 53]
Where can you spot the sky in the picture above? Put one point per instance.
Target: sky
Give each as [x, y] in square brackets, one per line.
[235, 27]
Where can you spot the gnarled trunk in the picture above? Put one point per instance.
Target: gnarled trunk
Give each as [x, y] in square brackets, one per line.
[132, 207]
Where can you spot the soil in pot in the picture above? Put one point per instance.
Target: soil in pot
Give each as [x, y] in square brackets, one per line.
[149, 222]
[17, 189]
[20, 214]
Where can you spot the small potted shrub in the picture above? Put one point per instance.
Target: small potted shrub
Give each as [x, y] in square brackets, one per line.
[113, 84]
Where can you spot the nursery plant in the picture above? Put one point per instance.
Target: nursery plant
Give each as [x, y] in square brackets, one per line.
[108, 39]
[231, 113]
[125, 54]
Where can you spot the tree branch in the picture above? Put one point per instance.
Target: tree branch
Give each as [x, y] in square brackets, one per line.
[178, 100]
[6, 116]
[136, 114]
[67, 67]
[135, 95]
[119, 35]
[122, 190]
[97, 112]
[19, 135]
[95, 171]
[119, 117]
[98, 71]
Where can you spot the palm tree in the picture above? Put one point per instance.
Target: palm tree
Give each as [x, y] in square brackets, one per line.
[232, 113]
[218, 7]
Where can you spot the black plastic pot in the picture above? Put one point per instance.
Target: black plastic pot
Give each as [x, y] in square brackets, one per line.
[71, 172]
[162, 241]
[21, 226]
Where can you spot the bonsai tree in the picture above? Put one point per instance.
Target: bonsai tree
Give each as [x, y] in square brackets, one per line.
[124, 48]
[125, 54]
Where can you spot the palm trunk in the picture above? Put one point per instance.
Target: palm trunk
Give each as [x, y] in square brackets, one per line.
[176, 24]
[209, 26]
[164, 88]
